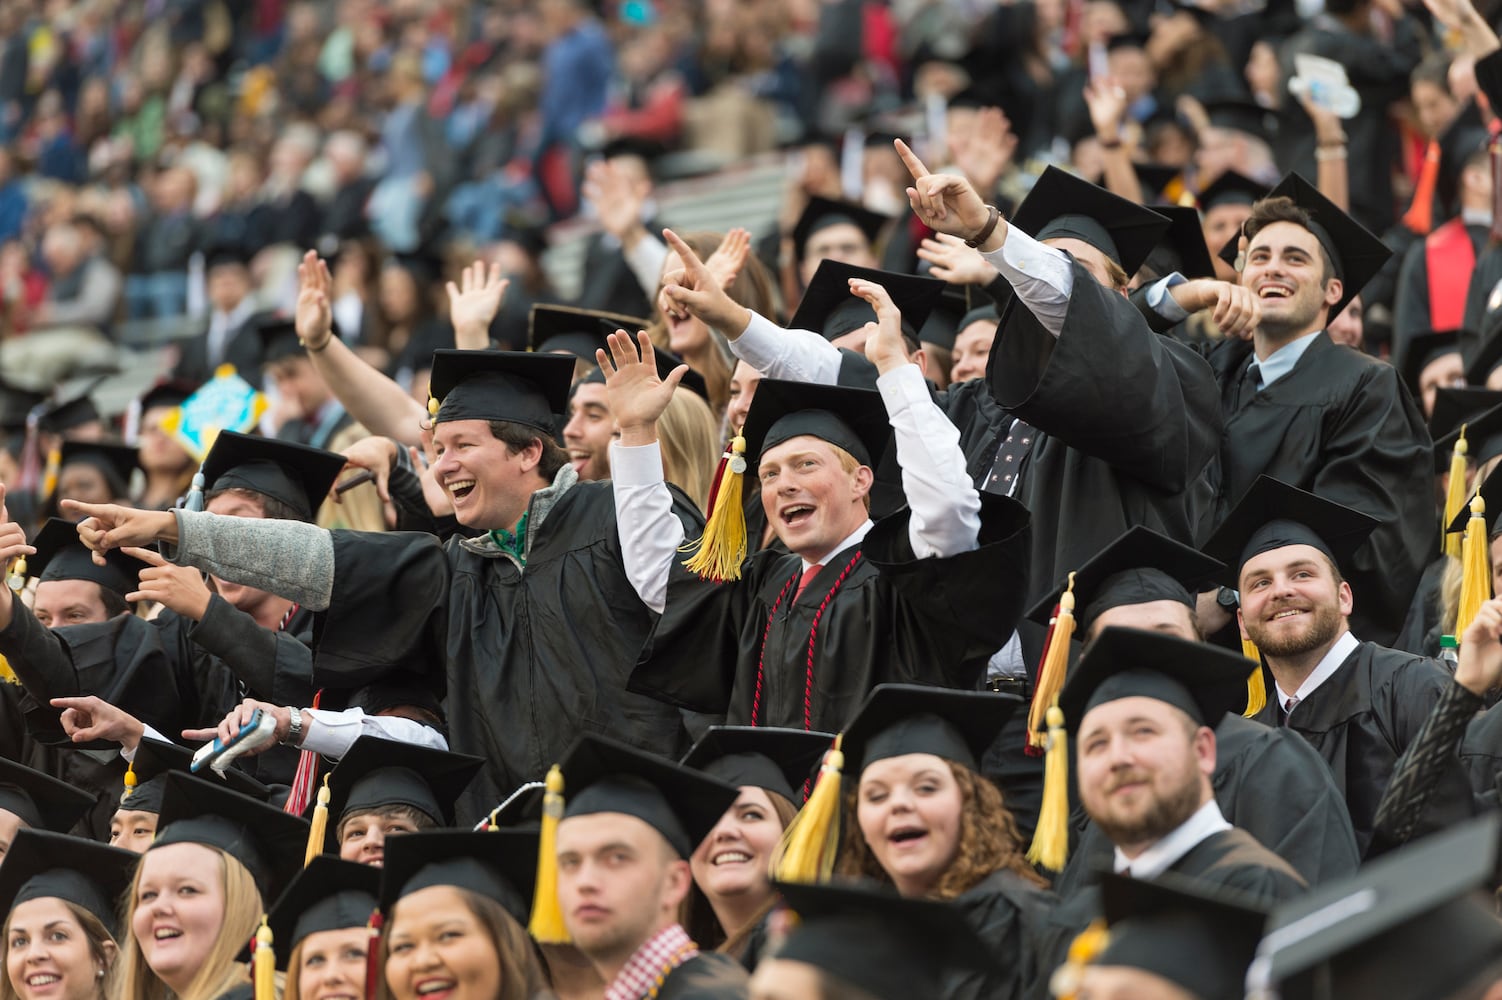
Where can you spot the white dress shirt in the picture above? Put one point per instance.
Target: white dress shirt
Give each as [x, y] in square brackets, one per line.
[1206, 822]
[331, 734]
[1344, 647]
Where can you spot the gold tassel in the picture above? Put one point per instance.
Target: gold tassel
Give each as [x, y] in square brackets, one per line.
[1256, 685]
[318, 829]
[808, 846]
[1051, 672]
[7, 673]
[719, 552]
[1476, 570]
[546, 925]
[1455, 494]
[15, 579]
[1084, 949]
[49, 477]
[130, 782]
[263, 962]
[1050, 846]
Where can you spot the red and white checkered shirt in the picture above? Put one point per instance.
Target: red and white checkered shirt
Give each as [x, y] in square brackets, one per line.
[662, 952]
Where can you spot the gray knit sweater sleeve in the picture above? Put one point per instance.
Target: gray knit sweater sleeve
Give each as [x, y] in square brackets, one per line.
[287, 558]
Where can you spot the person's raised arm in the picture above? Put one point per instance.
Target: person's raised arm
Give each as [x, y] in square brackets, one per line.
[1107, 103]
[13, 545]
[371, 398]
[473, 303]
[1462, 18]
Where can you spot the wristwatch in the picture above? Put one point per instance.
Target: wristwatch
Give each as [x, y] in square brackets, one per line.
[1227, 598]
[294, 730]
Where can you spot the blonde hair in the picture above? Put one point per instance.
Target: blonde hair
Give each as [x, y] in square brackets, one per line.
[220, 971]
[848, 464]
[690, 439]
[97, 937]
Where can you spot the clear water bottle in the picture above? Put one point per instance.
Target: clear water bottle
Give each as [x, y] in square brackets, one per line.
[1449, 651]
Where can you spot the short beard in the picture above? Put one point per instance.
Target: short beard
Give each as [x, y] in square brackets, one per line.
[1164, 816]
[1324, 627]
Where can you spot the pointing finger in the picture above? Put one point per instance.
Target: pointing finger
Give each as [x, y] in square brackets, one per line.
[910, 160]
[145, 555]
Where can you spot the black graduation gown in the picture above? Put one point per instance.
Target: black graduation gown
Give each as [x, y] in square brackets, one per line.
[1361, 720]
[1411, 315]
[1342, 425]
[1481, 753]
[530, 659]
[1233, 859]
[896, 618]
[707, 976]
[1009, 915]
[1420, 634]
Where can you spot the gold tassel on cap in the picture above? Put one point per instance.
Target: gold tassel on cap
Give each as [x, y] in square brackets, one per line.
[1051, 672]
[1476, 570]
[1050, 846]
[263, 963]
[719, 552]
[319, 827]
[1256, 685]
[1066, 980]
[808, 846]
[546, 925]
[130, 782]
[1455, 494]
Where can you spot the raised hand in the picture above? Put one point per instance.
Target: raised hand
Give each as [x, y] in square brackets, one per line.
[616, 199]
[90, 718]
[986, 150]
[177, 588]
[729, 257]
[695, 290]
[375, 454]
[1480, 667]
[884, 346]
[314, 317]
[239, 717]
[954, 262]
[637, 395]
[1108, 106]
[106, 526]
[944, 202]
[474, 302]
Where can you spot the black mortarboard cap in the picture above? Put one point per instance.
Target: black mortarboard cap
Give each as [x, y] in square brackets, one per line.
[377, 772]
[1487, 357]
[1231, 188]
[897, 719]
[1155, 178]
[515, 386]
[1424, 348]
[1490, 489]
[498, 864]
[852, 419]
[1483, 435]
[1240, 115]
[664, 359]
[1061, 204]
[295, 474]
[602, 775]
[521, 809]
[222, 254]
[1203, 681]
[117, 461]
[155, 759]
[1178, 929]
[44, 865]
[327, 895]
[886, 945]
[575, 331]
[279, 339]
[16, 405]
[829, 308]
[1410, 925]
[1453, 407]
[61, 555]
[167, 392]
[40, 800]
[943, 323]
[821, 213]
[1357, 253]
[75, 411]
[1127, 40]
[1183, 249]
[1140, 566]
[1273, 514]
[267, 841]
[779, 760]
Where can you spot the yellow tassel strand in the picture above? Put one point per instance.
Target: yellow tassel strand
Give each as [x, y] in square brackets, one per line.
[1455, 494]
[15, 578]
[546, 925]
[1055, 664]
[808, 846]
[263, 962]
[318, 829]
[49, 477]
[1476, 570]
[719, 552]
[1084, 949]
[130, 782]
[1256, 685]
[1050, 846]
[7, 673]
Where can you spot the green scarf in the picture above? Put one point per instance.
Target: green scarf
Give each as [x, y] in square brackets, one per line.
[516, 543]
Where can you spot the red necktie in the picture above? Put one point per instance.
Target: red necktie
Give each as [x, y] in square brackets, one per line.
[807, 578]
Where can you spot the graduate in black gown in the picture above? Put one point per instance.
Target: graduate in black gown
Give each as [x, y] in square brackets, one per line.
[1358, 703]
[31, 799]
[1267, 781]
[139, 808]
[1336, 422]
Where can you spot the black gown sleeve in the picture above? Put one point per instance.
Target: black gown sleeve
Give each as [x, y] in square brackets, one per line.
[1419, 772]
[1410, 314]
[274, 664]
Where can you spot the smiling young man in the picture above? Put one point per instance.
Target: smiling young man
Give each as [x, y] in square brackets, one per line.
[1358, 703]
[1335, 422]
[801, 636]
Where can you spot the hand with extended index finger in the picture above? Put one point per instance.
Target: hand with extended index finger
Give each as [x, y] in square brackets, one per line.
[178, 588]
[699, 293]
[943, 202]
[105, 526]
[91, 718]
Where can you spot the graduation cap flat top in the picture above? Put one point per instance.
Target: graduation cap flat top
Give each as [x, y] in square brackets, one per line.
[1453, 407]
[944, 320]
[1273, 514]
[167, 392]
[852, 419]
[44, 865]
[606, 776]
[1483, 435]
[828, 307]
[16, 405]
[1231, 188]
[1155, 178]
[897, 719]
[296, 474]
[1176, 928]
[155, 759]
[266, 840]
[498, 864]
[665, 361]
[74, 411]
[1203, 681]
[515, 386]
[1369, 935]
[40, 800]
[889, 946]
[779, 760]
[61, 555]
[1490, 489]
[1487, 357]
[1139, 566]
[1424, 349]
[1063, 205]
[575, 331]
[327, 895]
[279, 339]
[822, 213]
[118, 462]
[377, 772]
[1183, 249]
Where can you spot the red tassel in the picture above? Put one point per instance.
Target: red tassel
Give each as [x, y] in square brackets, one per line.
[714, 484]
[1420, 215]
[373, 956]
[1053, 622]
